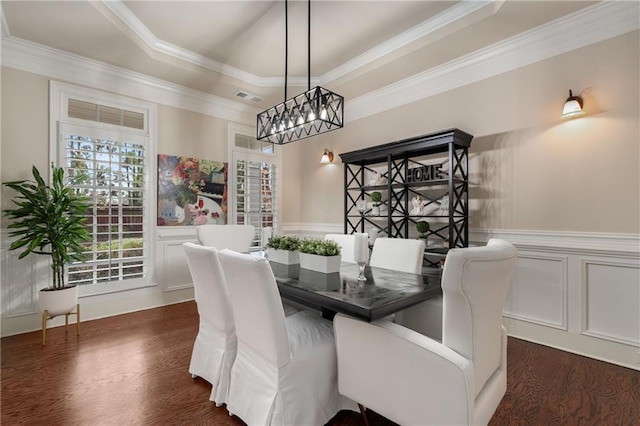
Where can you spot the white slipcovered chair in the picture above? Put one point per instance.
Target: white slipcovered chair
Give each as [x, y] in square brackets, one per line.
[347, 245]
[233, 237]
[398, 254]
[214, 349]
[285, 369]
[413, 379]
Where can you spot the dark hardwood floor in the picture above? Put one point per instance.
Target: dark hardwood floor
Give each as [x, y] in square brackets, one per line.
[132, 369]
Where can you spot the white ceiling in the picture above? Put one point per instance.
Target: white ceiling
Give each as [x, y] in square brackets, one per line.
[220, 47]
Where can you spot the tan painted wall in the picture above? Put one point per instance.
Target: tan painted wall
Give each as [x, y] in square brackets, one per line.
[529, 169]
[25, 123]
[190, 134]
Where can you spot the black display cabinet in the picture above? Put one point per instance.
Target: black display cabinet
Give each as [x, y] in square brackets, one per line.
[424, 178]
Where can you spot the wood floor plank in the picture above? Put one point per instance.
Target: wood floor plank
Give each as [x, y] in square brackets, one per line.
[133, 370]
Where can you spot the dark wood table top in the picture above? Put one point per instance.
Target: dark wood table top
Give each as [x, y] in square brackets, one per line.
[384, 293]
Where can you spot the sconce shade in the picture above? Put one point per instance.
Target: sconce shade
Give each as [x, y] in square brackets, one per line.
[327, 157]
[572, 107]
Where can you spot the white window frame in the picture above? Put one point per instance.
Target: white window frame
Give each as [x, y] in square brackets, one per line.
[59, 94]
[236, 153]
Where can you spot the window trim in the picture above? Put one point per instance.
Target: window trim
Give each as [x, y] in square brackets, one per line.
[59, 93]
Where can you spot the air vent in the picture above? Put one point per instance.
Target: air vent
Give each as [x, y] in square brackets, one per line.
[248, 96]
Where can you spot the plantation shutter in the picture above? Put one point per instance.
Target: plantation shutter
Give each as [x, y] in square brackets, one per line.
[115, 162]
[255, 183]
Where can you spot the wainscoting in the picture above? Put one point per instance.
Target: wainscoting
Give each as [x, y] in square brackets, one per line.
[169, 282]
[577, 292]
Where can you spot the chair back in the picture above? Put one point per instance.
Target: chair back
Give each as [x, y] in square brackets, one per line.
[210, 286]
[257, 307]
[347, 245]
[475, 282]
[398, 254]
[233, 237]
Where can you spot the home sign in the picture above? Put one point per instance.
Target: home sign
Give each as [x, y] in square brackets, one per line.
[425, 173]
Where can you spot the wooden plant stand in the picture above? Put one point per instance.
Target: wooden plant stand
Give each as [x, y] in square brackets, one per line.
[46, 317]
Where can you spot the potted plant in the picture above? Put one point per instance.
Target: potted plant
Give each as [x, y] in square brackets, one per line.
[283, 249]
[423, 229]
[376, 197]
[49, 220]
[320, 255]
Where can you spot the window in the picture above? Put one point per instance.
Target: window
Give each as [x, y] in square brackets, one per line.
[107, 138]
[255, 174]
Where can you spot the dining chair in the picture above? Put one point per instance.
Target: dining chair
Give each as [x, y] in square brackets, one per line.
[399, 254]
[459, 381]
[233, 237]
[347, 245]
[214, 349]
[285, 369]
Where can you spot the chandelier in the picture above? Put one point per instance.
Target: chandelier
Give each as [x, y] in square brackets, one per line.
[318, 110]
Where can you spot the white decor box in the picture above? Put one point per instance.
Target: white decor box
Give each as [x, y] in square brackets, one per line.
[286, 257]
[325, 264]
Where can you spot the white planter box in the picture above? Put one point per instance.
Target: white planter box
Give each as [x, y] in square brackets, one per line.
[58, 302]
[285, 257]
[326, 264]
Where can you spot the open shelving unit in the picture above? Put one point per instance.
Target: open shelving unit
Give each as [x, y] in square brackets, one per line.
[433, 168]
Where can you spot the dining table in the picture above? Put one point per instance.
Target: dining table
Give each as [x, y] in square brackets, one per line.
[383, 293]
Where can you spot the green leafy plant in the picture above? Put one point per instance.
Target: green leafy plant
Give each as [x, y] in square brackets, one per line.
[423, 228]
[283, 242]
[320, 247]
[49, 220]
[376, 197]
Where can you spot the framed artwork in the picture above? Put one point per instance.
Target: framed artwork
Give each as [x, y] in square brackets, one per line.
[191, 191]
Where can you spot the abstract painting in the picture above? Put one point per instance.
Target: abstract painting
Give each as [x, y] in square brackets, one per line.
[191, 191]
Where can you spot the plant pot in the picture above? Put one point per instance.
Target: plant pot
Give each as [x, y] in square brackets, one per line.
[58, 302]
[325, 264]
[286, 257]
[375, 210]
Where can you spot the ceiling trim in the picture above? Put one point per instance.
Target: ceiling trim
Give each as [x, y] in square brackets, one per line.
[140, 32]
[448, 17]
[603, 21]
[431, 26]
[57, 64]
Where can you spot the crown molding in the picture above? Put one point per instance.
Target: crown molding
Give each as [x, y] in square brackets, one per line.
[445, 18]
[38, 59]
[603, 20]
[138, 29]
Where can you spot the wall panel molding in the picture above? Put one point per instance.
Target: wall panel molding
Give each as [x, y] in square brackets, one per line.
[610, 300]
[539, 290]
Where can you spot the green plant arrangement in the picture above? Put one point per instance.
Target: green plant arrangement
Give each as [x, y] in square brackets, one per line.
[283, 242]
[49, 220]
[423, 228]
[376, 197]
[319, 247]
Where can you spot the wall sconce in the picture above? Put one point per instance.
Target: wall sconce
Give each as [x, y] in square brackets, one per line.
[572, 107]
[327, 156]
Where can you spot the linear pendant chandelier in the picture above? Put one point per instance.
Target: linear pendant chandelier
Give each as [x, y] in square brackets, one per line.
[310, 113]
